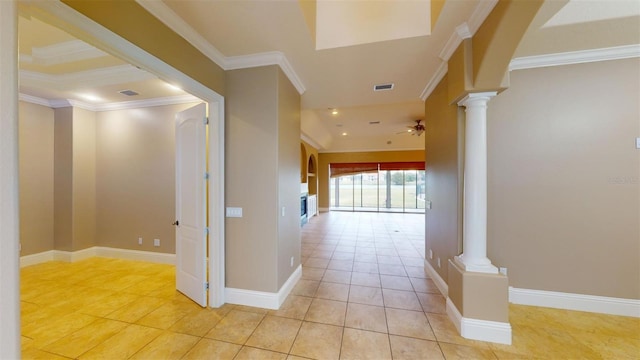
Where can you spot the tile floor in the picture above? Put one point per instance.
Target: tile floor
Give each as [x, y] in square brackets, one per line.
[364, 295]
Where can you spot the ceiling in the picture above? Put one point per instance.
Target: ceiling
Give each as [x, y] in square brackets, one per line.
[379, 43]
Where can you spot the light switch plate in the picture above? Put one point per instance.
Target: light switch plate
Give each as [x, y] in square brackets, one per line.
[234, 212]
[638, 143]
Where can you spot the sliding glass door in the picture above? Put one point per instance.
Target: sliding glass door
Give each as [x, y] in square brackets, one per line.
[382, 190]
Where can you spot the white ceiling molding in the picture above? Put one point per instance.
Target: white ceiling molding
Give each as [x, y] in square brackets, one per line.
[168, 17]
[265, 59]
[64, 52]
[435, 80]
[136, 104]
[94, 78]
[34, 100]
[462, 32]
[480, 14]
[309, 141]
[576, 57]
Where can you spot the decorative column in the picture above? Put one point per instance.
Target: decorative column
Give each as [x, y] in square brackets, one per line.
[474, 233]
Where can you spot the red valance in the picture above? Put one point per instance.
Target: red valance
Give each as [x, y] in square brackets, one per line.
[342, 169]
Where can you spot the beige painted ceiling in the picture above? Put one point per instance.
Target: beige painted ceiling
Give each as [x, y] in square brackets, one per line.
[337, 71]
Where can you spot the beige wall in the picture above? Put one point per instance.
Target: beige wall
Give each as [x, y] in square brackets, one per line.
[563, 191]
[443, 178]
[84, 179]
[135, 171]
[251, 178]
[74, 179]
[262, 175]
[324, 159]
[63, 179]
[288, 177]
[36, 178]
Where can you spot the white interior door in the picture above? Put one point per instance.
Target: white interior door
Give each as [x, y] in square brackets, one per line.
[191, 237]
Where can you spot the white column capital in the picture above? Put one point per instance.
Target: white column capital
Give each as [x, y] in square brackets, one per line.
[477, 98]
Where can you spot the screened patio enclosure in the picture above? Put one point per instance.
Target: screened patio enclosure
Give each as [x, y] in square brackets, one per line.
[379, 187]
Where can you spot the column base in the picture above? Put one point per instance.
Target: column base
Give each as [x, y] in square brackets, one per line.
[478, 304]
[482, 266]
[482, 330]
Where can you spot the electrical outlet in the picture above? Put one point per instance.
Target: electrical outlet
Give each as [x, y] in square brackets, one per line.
[156, 242]
[430, 254]
[439, 262]
[283, 211]
[139, 241]
[503, 271]
[292, 261]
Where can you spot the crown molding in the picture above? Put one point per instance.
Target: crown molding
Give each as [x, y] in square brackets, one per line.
[310, 141]
[135, 104]
[97, 77]
[435, 80]
[367, 150]
[460, 33]
[575, 57]
[463, 31]
[64, 52]
[168, 17]
[266, 59]
[480, 14]
[34, 100]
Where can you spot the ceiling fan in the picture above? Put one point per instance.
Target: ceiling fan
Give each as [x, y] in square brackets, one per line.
[416, 129]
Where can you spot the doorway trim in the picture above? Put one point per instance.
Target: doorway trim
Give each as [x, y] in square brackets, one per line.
[68, 19]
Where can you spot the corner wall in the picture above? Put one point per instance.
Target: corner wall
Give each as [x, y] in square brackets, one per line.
[444, 155]
[36, 178]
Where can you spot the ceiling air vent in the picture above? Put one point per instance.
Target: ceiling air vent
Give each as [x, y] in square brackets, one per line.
[128, 92]
[382, 87]
[374, 122]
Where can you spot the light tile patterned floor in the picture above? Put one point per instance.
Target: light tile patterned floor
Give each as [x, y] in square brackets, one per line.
[364, 295]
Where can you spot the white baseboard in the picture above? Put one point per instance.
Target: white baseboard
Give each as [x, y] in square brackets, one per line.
[579, 302]
[149, 256]
[483, 330]
[262, 299]
[72, 256]
[323, 209]
[437, 279]
[38, 258]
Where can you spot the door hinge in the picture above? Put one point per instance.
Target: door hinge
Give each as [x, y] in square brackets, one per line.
[206, 286]
[205, 121]
[206, 230]
[206, 176]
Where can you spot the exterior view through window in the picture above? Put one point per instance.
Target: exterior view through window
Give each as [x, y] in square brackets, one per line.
[374, 189]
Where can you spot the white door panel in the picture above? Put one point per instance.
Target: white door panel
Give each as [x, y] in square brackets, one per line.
[191, 255]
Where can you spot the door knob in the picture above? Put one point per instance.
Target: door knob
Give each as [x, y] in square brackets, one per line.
[176, 223]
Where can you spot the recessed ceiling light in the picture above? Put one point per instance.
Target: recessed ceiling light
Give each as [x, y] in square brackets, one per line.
[333, 111]
[173, 87]
[344, 134]
[90, 97]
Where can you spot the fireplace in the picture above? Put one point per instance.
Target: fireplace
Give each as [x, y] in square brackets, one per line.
[303, 208]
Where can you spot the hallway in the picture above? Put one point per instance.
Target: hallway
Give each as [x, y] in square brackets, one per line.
[364, 294]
